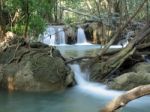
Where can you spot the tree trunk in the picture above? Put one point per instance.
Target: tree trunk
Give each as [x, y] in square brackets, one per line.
[27, 14]
[2, 22]
[56, 11]
[108, 67]
[122, 100]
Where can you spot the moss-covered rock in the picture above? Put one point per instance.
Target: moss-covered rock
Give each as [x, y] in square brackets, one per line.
[138, 75]
[34, 69]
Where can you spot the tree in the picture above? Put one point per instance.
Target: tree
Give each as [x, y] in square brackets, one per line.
[2, 20]
[27, 15]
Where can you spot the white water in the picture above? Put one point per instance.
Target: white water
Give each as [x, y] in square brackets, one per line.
[91, 87]
[61, 36]
[123, 42]
[81, 38]
[49, 36]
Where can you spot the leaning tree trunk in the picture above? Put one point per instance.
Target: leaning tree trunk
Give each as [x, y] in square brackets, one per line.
[106, 68]
[122, 100]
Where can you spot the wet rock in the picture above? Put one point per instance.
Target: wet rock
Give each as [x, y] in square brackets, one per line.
[33, 69]
[141, 67]
[138, 75]
[70, 35]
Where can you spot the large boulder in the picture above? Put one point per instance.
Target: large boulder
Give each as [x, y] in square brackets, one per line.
[138, 75]
[39, 68]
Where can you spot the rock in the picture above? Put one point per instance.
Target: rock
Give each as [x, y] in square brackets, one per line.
[142, 67]
[139, 75]
[34, 69]
[70, 35]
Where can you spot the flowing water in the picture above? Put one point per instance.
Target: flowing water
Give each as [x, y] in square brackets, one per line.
[61, 36]
[84, 97]
[53, 36]
[49, 36]
[81, 38]
[93, 88]
[72, 100]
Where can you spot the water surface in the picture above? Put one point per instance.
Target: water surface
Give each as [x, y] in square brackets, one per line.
[72, 100]
[81, 98]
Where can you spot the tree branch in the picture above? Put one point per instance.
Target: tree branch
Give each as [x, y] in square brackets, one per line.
[122, 100]
[79, 58]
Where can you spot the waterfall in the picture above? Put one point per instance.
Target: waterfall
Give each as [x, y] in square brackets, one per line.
[61, 36]
[79, 76]
[123, 42]
[91, 87]
[81, 38]
[49, 36]
[128, 37]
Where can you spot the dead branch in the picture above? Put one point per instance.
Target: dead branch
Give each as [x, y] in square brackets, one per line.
[91, 57]
[79, 58]
[130, 95]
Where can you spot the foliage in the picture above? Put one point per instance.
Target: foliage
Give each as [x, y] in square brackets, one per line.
[42, 12]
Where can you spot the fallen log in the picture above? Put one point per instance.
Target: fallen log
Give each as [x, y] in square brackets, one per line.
[91, 57]
[130, 95]
[78, 59]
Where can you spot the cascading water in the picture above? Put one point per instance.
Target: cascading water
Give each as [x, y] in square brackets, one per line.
[49, 36]
[61, 36]
[81, 38]
[123, 42]
[91, 87]
[129, 36]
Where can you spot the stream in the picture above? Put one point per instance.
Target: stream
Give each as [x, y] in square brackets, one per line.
[71, 100]
[86, 96]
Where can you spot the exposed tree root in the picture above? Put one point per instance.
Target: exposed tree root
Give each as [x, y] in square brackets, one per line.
[12, 59]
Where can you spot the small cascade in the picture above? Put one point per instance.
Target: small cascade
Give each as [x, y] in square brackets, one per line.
[79, 76]
[81, 38]
[123, 42]
[61, 36]
[128, 37]
[91, 87]
[49, 36]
